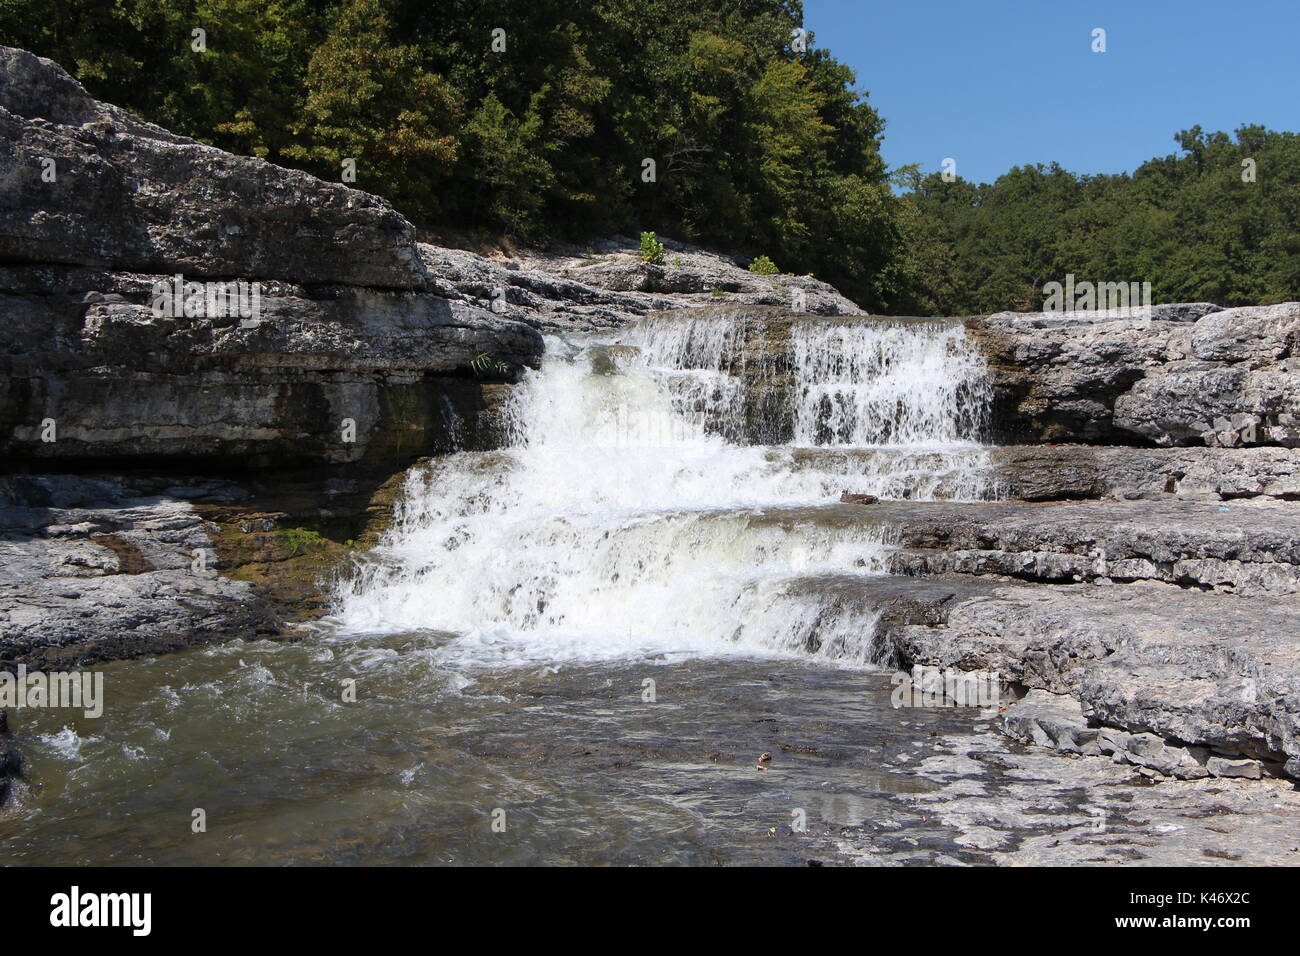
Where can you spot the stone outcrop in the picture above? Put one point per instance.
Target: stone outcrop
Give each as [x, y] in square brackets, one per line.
[606, 285]
[353, 355]
[1183, 683]
[126, 195]
[352, 363]
[1192, 669]
[325, 376]
[103, 567]
[1245, 548]
[1167, 627]
[1192, 374]
[98, 569]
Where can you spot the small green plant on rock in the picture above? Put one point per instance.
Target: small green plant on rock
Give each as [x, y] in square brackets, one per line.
[485, 364]
[301, 540]
[763, 266]
[652, 250]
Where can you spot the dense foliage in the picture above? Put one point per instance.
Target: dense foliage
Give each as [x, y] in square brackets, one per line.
[1194, 226]
[757, 145]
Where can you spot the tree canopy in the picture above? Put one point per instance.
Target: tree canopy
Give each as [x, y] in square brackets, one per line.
[1219, 223]
[760, 141]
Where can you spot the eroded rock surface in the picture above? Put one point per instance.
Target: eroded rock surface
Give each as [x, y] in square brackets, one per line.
[351, 355]
[1209, 670]
[131, 196]
[98, 569]
[1192, 374]
[607, 285]
[1016, 806]
[1064, 472]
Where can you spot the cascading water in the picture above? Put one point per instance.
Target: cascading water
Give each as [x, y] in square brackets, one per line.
[635, 514]
[905, 383]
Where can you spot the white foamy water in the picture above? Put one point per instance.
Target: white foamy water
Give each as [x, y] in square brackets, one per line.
[629, 518]
[874, 383]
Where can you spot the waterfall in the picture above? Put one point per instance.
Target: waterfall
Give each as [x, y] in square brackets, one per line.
[887, 382]
[636, 514]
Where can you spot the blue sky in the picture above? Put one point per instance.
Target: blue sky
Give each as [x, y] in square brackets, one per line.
[1000, 83]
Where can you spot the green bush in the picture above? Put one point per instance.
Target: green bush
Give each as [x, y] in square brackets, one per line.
[763, 266]
[652, 250]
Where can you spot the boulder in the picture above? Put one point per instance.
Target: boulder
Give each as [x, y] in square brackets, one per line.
[126, 195]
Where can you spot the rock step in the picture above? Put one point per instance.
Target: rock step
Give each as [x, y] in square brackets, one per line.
[1184, 683]
[1206, 669]
[1063, 472]
[1249, 547]
[97, 568]
[1066, 472]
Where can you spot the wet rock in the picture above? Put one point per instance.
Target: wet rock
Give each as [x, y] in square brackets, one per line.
[11, 762]
[852, 499]
[610, 359]
[103, 567]
[95, 569]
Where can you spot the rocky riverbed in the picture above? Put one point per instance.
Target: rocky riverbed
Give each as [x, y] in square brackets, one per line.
[1123, 548]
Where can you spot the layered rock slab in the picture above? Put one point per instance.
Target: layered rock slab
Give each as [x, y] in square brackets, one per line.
[98, 569]
[1249, 547]
[352, 354]
[1190, 374]
[1157, 668]
[1210, 670]
[131, 196]
[608, 285]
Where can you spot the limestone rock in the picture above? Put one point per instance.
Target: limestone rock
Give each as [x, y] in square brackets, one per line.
[1050, 720]
[130, 196]
[1068, 472]
[1191, 374]
[1185, 668]
[353, 354]
[607, 285]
